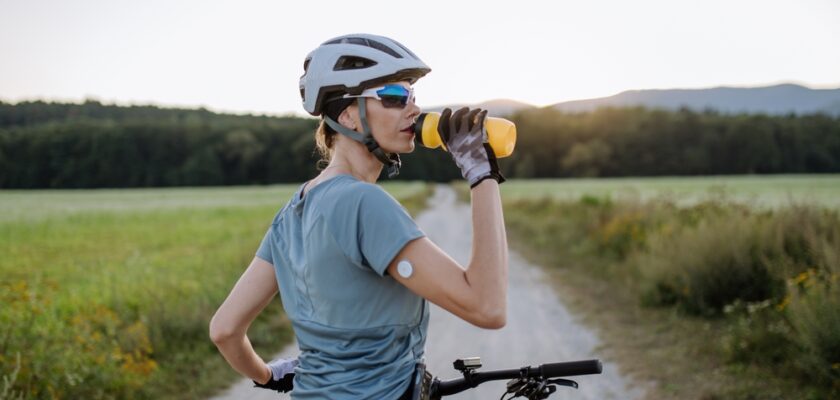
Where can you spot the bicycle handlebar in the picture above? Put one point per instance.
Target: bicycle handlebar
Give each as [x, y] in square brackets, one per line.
[572, 368]
[552, 370]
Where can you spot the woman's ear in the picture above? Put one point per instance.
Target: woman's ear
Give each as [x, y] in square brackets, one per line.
[349, 116]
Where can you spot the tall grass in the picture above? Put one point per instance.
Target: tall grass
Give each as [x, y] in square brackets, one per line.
[96, 304]
[770, 274]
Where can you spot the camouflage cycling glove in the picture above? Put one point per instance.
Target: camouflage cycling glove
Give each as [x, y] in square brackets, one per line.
[466, 139]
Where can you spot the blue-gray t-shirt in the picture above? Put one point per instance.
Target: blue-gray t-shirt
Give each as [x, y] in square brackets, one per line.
[360, 331]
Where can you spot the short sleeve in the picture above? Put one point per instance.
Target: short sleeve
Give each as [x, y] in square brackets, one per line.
[264, 251]
[385, 227]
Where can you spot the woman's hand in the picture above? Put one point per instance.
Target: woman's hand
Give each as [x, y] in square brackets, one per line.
[466, 139]
[282, 375]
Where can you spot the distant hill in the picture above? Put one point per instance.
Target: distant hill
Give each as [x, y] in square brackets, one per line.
[496, 107]
[777, 99]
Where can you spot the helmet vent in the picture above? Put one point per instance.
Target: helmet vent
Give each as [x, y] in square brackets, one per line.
[368, 43]
[352, 62]
[406, 50]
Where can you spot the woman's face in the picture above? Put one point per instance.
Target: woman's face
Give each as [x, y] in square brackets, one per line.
[391, 127]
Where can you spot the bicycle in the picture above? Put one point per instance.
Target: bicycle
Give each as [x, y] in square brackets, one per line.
[532, 383]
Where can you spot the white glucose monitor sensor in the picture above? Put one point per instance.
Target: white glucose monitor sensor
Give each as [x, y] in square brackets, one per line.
[405, 269]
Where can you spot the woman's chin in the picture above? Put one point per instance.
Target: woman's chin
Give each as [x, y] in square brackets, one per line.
[404, 148]
[409, 147]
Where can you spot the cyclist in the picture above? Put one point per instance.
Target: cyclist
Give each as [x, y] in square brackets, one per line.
[353, 270]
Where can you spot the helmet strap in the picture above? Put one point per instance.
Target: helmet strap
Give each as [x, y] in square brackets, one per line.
[392, 161]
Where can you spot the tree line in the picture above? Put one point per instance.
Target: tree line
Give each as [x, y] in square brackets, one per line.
[92, 145]
[639, 141]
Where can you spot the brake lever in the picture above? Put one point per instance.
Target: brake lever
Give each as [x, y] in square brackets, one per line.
[564, 382]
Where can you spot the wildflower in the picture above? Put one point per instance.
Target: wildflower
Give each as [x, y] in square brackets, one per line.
[781, 306]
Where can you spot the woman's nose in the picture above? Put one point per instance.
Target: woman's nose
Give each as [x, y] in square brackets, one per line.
[413, 110]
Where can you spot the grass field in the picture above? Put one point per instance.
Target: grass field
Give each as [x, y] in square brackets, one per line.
[108, 293]
[37, 204]
[761, 191]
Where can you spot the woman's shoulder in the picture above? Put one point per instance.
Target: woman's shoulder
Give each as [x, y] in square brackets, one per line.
[354, 193]
[353, 188]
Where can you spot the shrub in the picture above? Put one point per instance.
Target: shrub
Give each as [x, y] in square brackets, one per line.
[814, 313]
[708, 267]
[758, 333]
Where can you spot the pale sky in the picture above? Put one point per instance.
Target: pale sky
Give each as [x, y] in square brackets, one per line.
[246, 56]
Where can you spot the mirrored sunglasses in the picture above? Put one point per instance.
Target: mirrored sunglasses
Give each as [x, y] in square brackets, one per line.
[391, 96]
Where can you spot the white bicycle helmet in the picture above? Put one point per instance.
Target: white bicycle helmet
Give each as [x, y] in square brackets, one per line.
[349, 64]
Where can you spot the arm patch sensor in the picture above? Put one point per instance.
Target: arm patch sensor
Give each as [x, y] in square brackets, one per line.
[405, 269]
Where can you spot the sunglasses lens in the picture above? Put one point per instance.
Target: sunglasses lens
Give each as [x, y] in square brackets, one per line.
[389, 101]
[394, 96]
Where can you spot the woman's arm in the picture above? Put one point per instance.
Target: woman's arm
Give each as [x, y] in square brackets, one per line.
[254, 290]
[478, 294]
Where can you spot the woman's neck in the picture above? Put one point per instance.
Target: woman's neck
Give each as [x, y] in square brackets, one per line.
[354, 159]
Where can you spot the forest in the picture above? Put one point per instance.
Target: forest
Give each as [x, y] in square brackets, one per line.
[95, 145]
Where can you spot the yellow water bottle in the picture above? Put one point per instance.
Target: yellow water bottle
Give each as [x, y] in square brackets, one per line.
[501, 133]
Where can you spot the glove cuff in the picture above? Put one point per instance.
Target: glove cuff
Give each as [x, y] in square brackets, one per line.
[282, 385]
[492, 175]
[492, 164]
[267, 384]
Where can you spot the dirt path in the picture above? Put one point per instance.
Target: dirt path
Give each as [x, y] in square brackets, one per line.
[539, 328]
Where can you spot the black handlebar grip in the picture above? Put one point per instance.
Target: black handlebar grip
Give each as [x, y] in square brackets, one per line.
[585, 367]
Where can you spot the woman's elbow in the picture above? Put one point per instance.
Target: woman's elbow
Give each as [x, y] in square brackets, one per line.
[496, 320]
[220, 332]
[491, 318]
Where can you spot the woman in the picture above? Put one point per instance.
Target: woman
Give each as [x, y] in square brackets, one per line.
[353, 269]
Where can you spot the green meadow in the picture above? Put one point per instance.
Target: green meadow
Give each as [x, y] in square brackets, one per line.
[108, 293]
[755, 190]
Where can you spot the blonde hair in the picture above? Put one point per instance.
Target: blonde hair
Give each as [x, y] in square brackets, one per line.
[324, 143]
